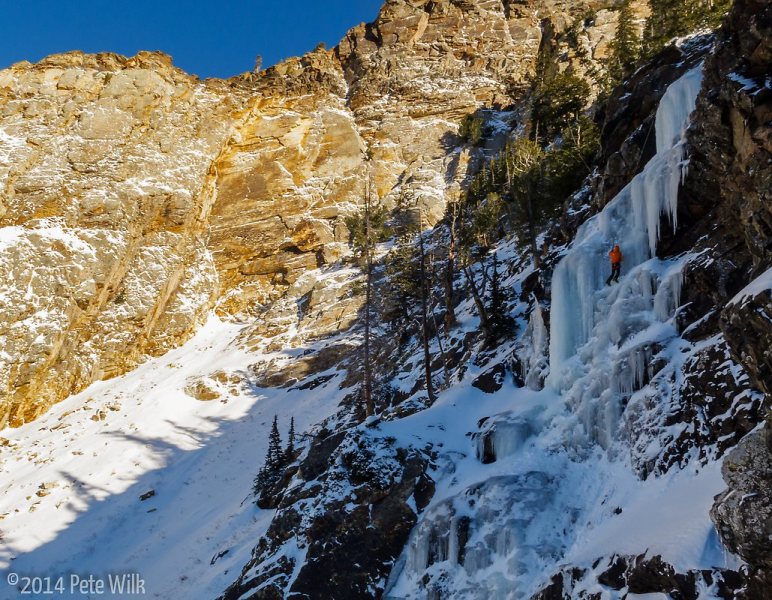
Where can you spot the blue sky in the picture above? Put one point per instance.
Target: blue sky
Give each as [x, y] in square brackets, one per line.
[210, 39]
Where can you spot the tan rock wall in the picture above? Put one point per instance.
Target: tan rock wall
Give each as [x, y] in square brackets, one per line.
[292, 172]
[105, 190]
[134, 197]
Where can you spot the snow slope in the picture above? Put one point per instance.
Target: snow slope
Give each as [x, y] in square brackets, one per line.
[199, 458]
[539, 507]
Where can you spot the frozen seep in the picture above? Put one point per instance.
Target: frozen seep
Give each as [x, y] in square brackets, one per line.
[480, 545]
[503, 436]
[536, 367]
[496, 539]
[602, 338]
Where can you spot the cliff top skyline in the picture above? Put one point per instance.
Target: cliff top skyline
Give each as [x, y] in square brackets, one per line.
[206, 40]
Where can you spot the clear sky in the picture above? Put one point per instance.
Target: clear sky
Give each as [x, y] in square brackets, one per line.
[208, 38]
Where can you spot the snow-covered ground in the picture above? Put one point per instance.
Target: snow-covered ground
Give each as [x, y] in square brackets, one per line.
[70, 482]
[538, 507]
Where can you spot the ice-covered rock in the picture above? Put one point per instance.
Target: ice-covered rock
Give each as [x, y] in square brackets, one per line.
[487, 542]
[601, 337]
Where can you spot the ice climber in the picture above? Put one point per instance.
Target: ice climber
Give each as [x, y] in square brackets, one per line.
[616, 265]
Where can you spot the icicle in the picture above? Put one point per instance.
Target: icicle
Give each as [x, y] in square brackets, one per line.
[535, 367]
[632, 220]
[453, 542]
[668, 295]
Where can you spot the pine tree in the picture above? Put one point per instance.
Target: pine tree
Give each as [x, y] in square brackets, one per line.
[402, 272]
[409, 296]
[274, 460]
[289, 453]
[626, 47]
[674, 18]
[556, 102]
[663, 24]
[566, 165]
[466, 250]
[499, 321]
[450, 266]
[471, 129]
[368, 228]
[524, 173]
[486, 223]
[275, 456]
[425, 308]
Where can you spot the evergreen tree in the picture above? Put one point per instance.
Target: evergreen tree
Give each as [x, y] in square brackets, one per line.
[567, 164]
[557, 102]
[450, 265]
[524, 174]
[471, 129]
[411, 280]
[289, 453]
[403, 274]
[675, 18]
[425, 309]
[625, 49]
[368, 228]
[500, 323]
[486, 222]
[274, 461]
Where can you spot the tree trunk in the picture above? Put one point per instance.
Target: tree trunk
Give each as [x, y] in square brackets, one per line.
[368, 386]
[478, 302]
[532, 224]
[450, 273]
[425, 321]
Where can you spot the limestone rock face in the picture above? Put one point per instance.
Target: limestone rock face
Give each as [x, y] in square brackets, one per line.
[105, 191]
[293, 170]
[134, 197]
[422, 66]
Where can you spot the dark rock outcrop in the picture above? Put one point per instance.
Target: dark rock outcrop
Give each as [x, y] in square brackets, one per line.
[645, 575]
[727, 215]
[747, 328]
[342, 520]
[730, 177]
[743, 513]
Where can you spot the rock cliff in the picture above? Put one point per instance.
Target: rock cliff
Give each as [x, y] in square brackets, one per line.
[105, 193]
[134, 197]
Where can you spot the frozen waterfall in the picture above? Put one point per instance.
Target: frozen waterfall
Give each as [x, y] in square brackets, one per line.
[540, 495]
[582, 308]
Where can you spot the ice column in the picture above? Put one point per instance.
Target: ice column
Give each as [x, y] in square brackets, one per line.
[632, 220]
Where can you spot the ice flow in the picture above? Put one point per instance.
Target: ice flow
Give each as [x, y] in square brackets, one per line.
[499, 536]
[582, 308]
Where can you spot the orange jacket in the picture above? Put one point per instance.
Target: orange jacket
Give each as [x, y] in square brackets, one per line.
[615, 255]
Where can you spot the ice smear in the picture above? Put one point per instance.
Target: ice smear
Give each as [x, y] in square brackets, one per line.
[580, 301]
